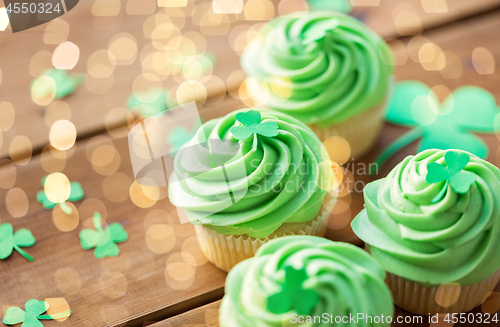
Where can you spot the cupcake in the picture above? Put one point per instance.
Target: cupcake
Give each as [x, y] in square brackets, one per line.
[325, 69]
[307, 281]
[433, 224]
[248, 177]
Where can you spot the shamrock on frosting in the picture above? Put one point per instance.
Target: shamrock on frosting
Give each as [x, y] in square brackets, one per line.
[441, 126]
[293, 295]
[76, 194]
[454, 175]
[65, 84]
[10, 241]
[148, 103]
[252, 125]
[103, 239]
[31, 317]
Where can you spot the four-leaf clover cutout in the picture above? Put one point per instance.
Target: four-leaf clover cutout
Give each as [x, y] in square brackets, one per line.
[293, 295]
[252, 125]
[10, 241]
[454, 175]
[31, 317]
[441, 126]
[103, 239]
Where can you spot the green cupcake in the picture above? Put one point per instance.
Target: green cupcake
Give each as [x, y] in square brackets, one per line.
[306, 279]
[433, 223]
[248, 177]
[326, 69]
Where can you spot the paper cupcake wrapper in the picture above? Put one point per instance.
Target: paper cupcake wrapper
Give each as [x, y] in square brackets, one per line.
[361, 131]
[225, 251]
[417, 299]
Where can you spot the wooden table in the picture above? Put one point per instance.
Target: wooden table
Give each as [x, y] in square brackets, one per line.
[142, 285]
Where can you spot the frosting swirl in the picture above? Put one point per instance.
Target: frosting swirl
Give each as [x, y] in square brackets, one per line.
[320, 67]
[253, 190]
[416, 233]
[345, 278]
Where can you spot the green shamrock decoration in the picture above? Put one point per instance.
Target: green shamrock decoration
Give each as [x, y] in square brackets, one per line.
[293, 295]
[152, 102]
[454, 175]
[252, 125]
[31, 317]
[344, 6]
[103, 240]
[65, 84]
[440, 126]
[75, 195]
[178, 137]
[10, 241]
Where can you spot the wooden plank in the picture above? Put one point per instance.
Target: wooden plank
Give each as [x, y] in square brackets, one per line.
[89, 111]
[208, 315]
[141, 283]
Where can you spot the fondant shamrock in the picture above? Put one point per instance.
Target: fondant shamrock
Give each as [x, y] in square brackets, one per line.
[10, 241]
[150, 103]
[31, 317]
[293, 295]
[336, 5]
[103, 240]
[252, 125]
[75, 195]
[441, 126]
[453, 173]
[65, 84]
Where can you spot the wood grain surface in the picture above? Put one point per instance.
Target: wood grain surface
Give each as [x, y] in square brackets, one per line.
[136, 288]
[90, 111]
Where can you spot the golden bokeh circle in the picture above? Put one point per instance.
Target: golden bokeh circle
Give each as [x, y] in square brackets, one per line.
[160, 238]
[113, 284]
[63, 221]
[8, 115]
[57, 187]
[62, 134]
[8, 174]
[16, 202]
[68, 280]
[339, 150]
[20, 150]
[115, 187]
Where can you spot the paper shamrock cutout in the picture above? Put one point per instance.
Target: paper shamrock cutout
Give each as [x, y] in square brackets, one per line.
[150, 103]
[65, 84]
[103, 240]
[178, 137]
[454, 175]
[293, 295]
[10, 241]
[336, 5]
[252, 125]
[441, 126]
[75, 195]
[31, 317]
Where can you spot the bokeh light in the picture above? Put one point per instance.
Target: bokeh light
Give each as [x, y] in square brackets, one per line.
[160, 238]
[56, 32]
[16, 202]
[483, 61]
[66, 56]
[57, 187]
[62, 135]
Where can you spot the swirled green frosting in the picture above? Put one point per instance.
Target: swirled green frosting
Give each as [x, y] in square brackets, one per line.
[346, 279]
[320, 67]
[272, 180]
[453, 240]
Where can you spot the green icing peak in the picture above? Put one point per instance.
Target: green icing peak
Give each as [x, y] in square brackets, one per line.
[435, 225]
[304, 275]
[254, 183]
[320, 67]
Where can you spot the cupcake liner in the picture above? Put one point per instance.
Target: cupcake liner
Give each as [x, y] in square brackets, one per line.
[225, 251]
[417, 299]
[361, 131]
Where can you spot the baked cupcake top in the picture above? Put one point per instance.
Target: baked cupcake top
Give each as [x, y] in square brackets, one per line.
[435, 218]
[320, 67]
[304, 275]
[249, 172]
